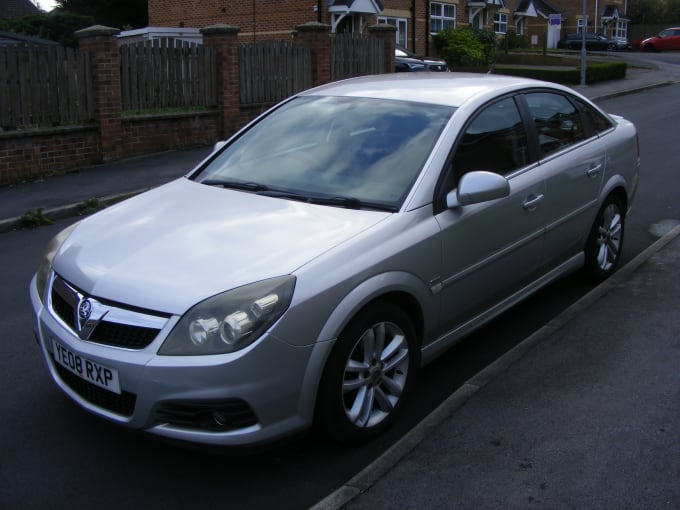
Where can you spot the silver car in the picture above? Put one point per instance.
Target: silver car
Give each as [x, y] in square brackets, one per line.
[304, 271]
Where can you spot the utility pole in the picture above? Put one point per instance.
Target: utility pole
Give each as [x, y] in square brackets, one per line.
[583, 43]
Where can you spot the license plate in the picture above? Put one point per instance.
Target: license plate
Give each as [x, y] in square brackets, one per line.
[93, 372]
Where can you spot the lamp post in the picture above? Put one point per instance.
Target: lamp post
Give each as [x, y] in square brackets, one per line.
[583, 43]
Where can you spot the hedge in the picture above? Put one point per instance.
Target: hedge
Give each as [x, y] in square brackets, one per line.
[595, 72]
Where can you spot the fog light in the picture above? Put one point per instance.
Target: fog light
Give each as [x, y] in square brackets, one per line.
[220, 419]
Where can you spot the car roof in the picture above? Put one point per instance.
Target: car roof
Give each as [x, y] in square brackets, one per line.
[450, 89]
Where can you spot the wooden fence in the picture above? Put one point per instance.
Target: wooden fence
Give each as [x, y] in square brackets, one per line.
[167, 74]
[356, 55]
[272, 71]
[43, 87]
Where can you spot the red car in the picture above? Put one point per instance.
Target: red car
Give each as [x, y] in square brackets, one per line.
[668, 39]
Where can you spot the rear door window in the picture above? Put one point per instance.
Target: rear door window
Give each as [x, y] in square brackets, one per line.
[558, 122]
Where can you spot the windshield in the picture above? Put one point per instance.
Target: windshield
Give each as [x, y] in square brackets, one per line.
[359, 152]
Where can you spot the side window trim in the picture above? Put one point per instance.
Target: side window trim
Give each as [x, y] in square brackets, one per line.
[439, 201]
[580, 116]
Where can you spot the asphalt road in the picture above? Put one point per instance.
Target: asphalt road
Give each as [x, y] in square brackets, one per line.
[55, 455]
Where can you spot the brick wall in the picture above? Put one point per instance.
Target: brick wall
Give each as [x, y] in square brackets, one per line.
[145, 134]
[28, 157]
[270, 20]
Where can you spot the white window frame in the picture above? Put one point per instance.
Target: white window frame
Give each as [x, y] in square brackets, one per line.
[519, 25]
[439, 18]
[500, 23]
[579, 25]
[401, 24]
[620, 29]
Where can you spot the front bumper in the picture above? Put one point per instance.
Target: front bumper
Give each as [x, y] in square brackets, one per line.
[251, 396]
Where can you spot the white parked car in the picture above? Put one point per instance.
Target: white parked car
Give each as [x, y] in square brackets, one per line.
[305, 271]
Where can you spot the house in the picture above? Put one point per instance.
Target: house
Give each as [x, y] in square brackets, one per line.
[10, 9]
[177, 35]
[13, 39]
[415, 20]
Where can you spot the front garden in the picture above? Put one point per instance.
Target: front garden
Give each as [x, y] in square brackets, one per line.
[471, 50]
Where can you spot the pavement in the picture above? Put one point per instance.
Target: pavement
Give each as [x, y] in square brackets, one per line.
[583, 414]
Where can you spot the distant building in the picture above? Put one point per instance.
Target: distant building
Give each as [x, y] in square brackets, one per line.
[10, 9]
[185, 35]
[415, 20]
[12, 39]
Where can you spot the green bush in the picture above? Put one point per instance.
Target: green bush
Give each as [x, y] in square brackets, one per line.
[488, 40]
[460, 48]
[606, 71]
[513, 41]
[35, 218]
[595, 72]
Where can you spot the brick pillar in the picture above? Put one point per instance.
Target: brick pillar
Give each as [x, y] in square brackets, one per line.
[100, 42]
[388, 34]
[317, 36]
[224, 38]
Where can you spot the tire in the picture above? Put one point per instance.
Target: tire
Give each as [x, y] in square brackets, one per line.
[368, 375]
[605, 241]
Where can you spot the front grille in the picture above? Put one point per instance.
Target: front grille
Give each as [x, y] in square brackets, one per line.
[123, 404]
[218, 416]
[122, 335]
[132, 331]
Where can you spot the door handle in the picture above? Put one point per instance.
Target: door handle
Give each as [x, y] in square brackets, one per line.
[532, 202]
[594, 170]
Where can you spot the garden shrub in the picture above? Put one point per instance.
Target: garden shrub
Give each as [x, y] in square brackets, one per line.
[461, 48]
[513, 41]
[595, 72]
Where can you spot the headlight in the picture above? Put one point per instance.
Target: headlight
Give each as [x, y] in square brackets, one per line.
[230, 321]
[46, 261]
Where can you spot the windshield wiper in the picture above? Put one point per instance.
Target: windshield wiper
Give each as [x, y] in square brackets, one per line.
[352, 203]
[262, 189]
[240, 185]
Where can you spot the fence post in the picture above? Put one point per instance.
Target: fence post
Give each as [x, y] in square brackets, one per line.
[224, 38]
[101, 43]
[317, 36]
[387, 34]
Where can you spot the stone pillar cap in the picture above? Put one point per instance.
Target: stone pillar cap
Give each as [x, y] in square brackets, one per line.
[96, 30]
[220, 28]
[313, 26]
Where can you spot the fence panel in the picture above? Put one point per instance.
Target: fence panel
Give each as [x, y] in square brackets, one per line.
[272, 71]
[167, 73]
[356, 55]
[44, 87]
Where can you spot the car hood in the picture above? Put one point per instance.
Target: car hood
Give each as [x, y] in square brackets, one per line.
[179, 244]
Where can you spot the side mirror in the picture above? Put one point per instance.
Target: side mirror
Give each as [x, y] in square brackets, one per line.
[477, 187]
[219, 145]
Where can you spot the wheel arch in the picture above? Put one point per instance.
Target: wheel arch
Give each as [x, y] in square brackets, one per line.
[616, 187]
[397, 307]
[404, 290]
[621, 194]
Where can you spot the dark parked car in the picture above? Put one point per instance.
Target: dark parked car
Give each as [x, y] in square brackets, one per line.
[407, 61]
[668, 39]
[622, 43]
[594, 42]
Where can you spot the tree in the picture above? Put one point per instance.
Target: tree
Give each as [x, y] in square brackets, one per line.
[645, 12]
[55, 26]
[673, 11]
[122, 14]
